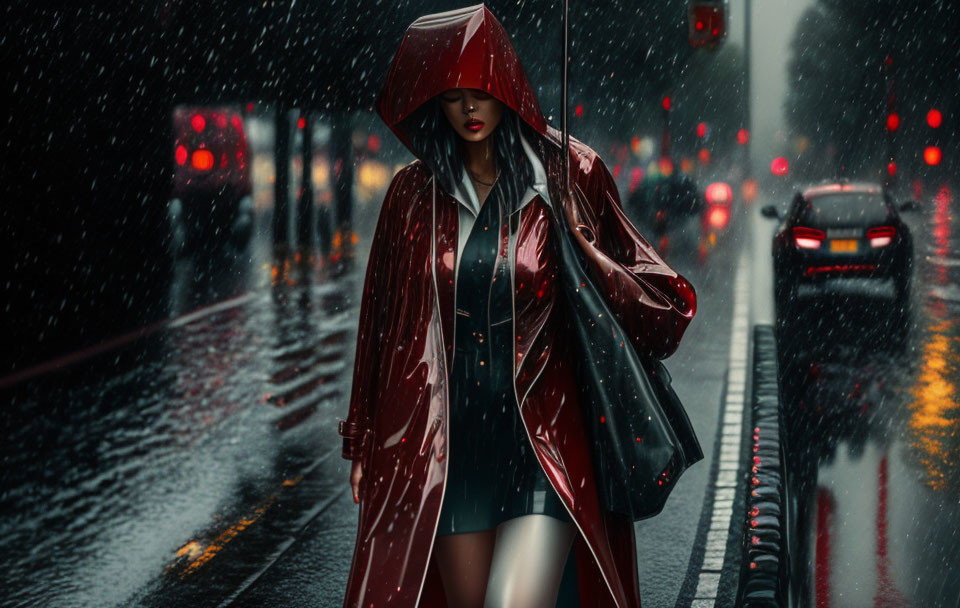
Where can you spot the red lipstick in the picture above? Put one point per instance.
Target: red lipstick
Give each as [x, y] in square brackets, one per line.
[473, 124]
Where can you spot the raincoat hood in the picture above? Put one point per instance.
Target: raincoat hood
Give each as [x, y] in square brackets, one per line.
[465, 48]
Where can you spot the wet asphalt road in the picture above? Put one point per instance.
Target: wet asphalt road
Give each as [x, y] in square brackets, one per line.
[200, 464]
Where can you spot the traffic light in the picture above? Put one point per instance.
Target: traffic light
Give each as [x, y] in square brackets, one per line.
[893, 121]
[707, 22]
[934, 118]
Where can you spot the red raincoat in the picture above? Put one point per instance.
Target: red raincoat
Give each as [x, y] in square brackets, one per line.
[399, 403]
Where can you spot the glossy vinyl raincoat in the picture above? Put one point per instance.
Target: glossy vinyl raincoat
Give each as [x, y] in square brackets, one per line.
[397, 420]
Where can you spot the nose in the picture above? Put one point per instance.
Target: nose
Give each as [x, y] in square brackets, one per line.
[469, 104]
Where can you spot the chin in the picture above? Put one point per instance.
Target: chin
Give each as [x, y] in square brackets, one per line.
[475, 136]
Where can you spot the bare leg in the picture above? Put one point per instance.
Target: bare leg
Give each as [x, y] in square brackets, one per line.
[528, 562]
[464, 564]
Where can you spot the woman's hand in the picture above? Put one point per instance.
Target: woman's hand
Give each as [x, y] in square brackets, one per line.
[356, 474]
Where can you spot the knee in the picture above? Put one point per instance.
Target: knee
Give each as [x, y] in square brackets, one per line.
[514, 593]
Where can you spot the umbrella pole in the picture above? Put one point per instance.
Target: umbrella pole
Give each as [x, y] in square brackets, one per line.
[563, 100]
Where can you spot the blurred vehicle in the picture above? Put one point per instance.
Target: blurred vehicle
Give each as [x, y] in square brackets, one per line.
[212, 190]
[669, 209]
[842, 230]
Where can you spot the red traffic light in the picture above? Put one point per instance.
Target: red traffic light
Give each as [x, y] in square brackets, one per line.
[779, 166]
[934, 118]
[891, 168]
[932, 156]
[702, 129]
[893, 121]
[666, 103]
[706, 22]
[743, 136]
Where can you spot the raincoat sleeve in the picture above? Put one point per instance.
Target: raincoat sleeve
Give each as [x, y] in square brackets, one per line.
[653, 303]
[374, 316]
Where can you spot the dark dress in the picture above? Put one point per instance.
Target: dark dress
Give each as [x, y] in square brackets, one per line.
[493, 473]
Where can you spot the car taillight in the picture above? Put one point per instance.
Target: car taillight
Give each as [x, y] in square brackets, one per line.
[202, 160]
[719, 216]
[808, 238]
[719, 193]
[881, 236]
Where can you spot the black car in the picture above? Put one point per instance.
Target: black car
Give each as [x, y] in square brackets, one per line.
[841, 230]
[668, 206]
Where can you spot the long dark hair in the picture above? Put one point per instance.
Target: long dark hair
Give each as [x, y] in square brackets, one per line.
[436, 143]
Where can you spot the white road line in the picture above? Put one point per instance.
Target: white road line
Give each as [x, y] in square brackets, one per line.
[731, 418]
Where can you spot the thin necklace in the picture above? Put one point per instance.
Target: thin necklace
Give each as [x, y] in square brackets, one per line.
[479, 181]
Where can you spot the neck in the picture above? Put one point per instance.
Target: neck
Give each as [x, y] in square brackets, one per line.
[478, 158]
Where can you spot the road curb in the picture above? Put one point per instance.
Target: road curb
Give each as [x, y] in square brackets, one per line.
[765, 566]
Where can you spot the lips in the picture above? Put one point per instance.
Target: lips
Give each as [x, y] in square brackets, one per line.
[473, 124]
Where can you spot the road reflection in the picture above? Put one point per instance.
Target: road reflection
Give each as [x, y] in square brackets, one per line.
[172, 471]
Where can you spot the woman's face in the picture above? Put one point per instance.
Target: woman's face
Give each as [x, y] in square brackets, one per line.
[474, 114]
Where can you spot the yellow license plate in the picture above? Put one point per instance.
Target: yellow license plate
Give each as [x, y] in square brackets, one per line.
[843, 245]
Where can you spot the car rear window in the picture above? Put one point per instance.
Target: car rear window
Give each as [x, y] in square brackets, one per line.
[854, 208]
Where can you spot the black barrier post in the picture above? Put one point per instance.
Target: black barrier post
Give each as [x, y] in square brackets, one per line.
[767, 537]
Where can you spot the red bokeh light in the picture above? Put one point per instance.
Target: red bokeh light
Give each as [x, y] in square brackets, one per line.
[779, 166]
[666, 103]
[198, 123]
[578, 111]
[934, 118]
[743, 136]
[719, 193]
[718, 216]
[202, 160]
[932, 155]
[703, 156]
[893, 121]
[301, 122]
[373, 143]
[891, 168]
[702, 129]
[181, 155]
[636, 176]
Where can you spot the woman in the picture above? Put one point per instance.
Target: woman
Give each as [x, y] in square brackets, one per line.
[470, 460]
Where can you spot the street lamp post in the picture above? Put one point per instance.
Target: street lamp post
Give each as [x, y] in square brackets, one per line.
[747, 18]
